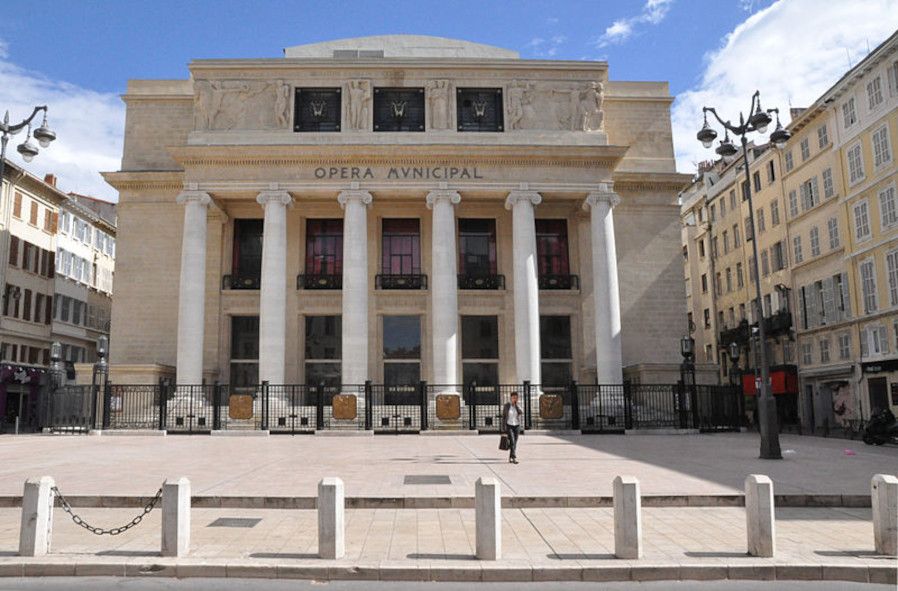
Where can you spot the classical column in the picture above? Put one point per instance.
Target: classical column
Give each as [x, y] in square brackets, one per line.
[526, 287]
[444, 286]
[609, 364]
[273, 292]
[192, 288]
[355, 285]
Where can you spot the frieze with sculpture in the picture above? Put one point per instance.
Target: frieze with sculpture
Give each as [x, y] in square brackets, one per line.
[537, 105]
[241, 104]
[438, 104]
[221, 105]
[359, 107]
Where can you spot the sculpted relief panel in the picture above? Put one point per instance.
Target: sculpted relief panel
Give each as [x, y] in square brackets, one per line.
[241, 104]
[359, 107]
[438, 104]
[529, 105]
[553, 106]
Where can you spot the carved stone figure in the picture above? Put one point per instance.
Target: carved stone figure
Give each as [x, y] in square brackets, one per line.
[584, 110]
[438, 103]
[519, 101]
[359, 101]
[282, 103]
[589, 109]
[200, 104]
[241, 104]
[207, 102]
[241, 108]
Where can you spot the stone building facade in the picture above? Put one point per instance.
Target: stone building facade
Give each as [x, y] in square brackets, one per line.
[27, 251]
[825, 207]
[397, 209]
[57, 258]
[85, 268]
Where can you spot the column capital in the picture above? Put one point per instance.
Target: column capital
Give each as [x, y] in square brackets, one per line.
[363, 197]
[440, 194]
[280, 197]
[605, 194]
[521, 196]
[200, 197]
